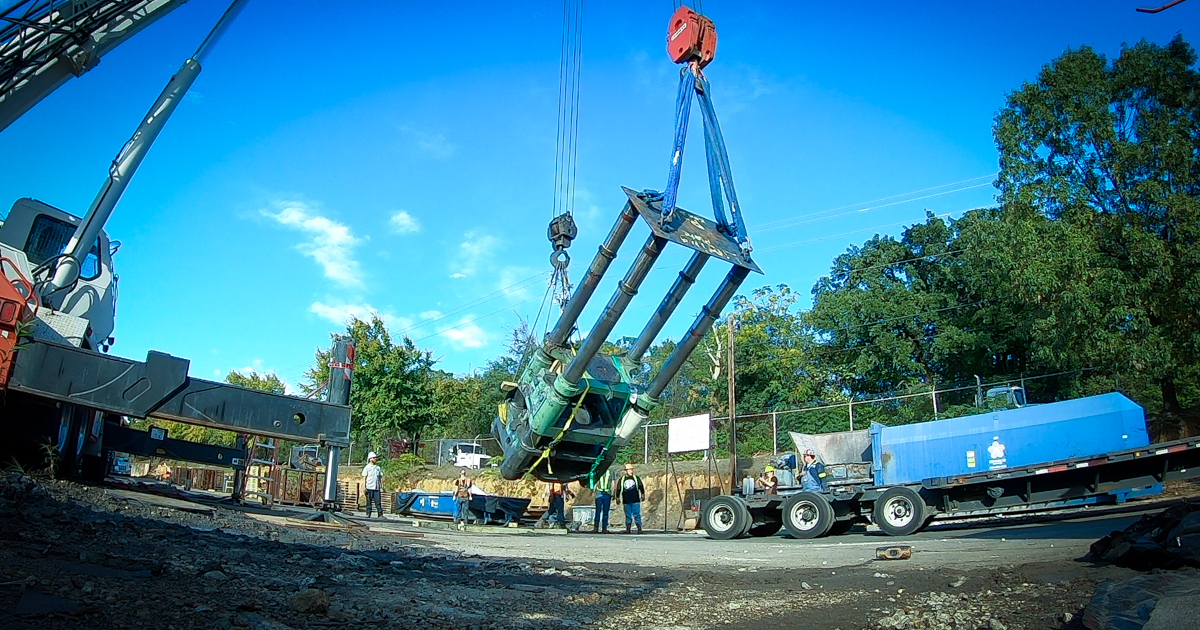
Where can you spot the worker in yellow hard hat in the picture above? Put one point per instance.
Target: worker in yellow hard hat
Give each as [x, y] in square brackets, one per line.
[767, 481]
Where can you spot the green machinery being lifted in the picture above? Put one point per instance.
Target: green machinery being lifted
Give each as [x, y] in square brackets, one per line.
[572, 408]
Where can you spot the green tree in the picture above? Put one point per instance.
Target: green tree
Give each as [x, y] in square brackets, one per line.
[1100, 169]
[391, 394]
[890, 316]
[262, 382]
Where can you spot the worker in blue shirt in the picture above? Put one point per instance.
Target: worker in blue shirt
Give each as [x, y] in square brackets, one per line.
[812, 476]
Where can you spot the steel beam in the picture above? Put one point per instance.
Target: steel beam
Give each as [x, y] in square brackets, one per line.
[161, 388]
[135, 442]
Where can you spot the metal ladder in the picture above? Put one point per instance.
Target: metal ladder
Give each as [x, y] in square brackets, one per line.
[269, 458]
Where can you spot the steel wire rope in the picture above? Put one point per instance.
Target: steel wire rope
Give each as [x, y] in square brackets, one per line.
[577, 59]
[567, 131]
[559, 123]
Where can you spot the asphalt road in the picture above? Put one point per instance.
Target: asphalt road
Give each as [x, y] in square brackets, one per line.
[952, 546]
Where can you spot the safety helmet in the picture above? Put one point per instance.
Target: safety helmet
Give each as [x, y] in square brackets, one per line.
[769, 469]
[372, 455]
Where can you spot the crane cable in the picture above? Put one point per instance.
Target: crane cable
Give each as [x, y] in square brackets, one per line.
[562, 230]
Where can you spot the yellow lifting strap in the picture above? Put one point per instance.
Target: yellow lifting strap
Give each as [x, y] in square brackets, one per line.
[558, 438]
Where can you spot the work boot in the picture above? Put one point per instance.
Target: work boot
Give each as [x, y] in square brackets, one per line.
[626, 529]
[639, 529]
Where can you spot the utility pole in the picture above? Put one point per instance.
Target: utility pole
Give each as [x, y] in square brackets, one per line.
[733, 459]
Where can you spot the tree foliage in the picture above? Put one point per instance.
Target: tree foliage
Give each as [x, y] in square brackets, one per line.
[1099, 162]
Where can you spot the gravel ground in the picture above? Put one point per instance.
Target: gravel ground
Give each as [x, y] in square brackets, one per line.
[74, 556]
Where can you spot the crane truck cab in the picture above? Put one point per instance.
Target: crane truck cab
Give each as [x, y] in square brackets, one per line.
[1005, 397]
[467, 455]
[32, 236]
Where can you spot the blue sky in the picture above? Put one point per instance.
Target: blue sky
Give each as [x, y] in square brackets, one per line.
[399, 157]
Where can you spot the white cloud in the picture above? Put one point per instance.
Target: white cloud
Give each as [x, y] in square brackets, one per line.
[466, 335]
[216, 372]
[331, 243]
[432, 144]
[475, 250]
[430, 314]
[340, 313]
[404, 223]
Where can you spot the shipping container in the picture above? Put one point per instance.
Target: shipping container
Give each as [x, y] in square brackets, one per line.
[1095, 425]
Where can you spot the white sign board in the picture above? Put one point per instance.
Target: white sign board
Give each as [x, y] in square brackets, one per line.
[690, 433]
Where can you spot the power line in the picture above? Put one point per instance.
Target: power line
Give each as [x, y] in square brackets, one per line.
[472, 321]
[854, 212]
[858, 231]
[490, 297]
[868, 205]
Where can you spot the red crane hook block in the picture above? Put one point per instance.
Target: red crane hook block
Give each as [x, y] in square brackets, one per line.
[691, 36]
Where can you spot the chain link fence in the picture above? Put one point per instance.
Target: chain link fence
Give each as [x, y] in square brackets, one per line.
[767, 433]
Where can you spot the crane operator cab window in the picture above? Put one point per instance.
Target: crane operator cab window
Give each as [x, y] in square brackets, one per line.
[49, 237]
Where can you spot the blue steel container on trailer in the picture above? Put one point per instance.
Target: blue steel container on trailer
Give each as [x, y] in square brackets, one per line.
[912, 453]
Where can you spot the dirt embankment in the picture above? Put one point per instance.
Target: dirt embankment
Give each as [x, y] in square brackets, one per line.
[669, 492]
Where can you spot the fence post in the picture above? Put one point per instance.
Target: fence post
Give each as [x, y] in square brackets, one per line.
[646, 451]
[850, 406]
[774, 434]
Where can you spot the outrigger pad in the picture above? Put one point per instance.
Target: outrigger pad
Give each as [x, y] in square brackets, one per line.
[692, 231]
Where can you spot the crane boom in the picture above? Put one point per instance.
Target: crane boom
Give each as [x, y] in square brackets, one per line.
[43, 43]
[66, 267]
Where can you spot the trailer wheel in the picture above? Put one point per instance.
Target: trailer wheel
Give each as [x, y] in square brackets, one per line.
[807, 515]
[726, 517]
[900, 511]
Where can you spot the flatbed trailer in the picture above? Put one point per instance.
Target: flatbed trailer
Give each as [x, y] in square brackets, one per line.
[903, 509]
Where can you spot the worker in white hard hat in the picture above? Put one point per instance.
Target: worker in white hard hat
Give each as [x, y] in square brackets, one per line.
[812, 475]
[373, 482]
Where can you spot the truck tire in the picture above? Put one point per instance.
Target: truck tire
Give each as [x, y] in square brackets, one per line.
[726, 517]
[900, 511]
[92, 468]
[807, 515]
